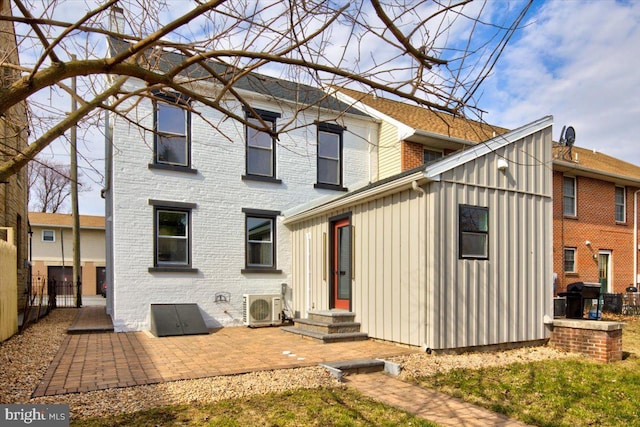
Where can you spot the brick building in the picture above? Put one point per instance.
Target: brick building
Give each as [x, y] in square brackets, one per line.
[594, 218]
[13, 139]
[599, 210]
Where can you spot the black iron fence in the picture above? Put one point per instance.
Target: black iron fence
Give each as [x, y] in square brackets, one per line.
[52, 293]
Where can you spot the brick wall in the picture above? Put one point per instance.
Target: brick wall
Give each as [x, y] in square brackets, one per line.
[218, 224]
[13, 138]
[412, 155]
[595, 222]
[601, 341]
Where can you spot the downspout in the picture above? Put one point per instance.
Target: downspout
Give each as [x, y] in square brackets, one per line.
[423, 194]
[635, 237]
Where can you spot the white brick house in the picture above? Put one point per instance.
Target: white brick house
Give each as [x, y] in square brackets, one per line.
[194, 212]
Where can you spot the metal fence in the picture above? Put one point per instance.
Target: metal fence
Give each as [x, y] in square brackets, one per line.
[54, 293]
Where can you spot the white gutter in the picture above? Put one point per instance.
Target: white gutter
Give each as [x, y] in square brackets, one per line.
[598, 172]
[635, 238]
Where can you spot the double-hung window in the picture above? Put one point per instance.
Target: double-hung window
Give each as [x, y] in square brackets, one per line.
[172, 240]
[569, 196]
[260, 240]
[473, 229]
[621, 206]
[172, 133]
[329, 161]
[261, 146]
[569, 260]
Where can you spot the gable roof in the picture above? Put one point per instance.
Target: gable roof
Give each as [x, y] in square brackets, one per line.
[591, 163]
[42, 219]
[253, 82]
[425, 119]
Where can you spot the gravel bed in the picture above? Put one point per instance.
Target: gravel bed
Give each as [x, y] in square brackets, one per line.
[25, 359]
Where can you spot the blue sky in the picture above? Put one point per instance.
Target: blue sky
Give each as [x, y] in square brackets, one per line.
[574, 59]
[578, 61]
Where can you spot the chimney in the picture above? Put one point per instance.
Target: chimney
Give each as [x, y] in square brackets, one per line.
[116, 20]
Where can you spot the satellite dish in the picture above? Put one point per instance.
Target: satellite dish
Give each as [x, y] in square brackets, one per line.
[570, 136]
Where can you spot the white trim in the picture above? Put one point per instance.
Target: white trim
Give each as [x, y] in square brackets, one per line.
[434, 170]
[42, 239]
[624, 204]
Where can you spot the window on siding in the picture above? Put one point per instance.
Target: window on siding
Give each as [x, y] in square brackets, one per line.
[621, 206]
[569, 196]
[329, 161]
[430, 156]
[172, 132]
[261, 146]
[260, 240]
[473, 228]
[569, 260]
[48, 235]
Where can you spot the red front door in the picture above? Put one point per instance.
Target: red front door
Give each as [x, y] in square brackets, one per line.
[341, 264]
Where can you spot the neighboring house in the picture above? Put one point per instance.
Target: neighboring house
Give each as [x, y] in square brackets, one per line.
[454, 254]
[411, 136]
[13, 139]
[194, 212]
[598, 207]
[52, 250]
[595, 219]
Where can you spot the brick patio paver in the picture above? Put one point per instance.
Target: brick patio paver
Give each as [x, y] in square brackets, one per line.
[97, 361]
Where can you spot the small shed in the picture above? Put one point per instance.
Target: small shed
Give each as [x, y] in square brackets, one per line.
[451, 255]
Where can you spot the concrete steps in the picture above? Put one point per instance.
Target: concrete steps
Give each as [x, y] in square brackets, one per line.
[328, 326]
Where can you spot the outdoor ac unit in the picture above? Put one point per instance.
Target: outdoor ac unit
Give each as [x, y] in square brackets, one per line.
[262, 310]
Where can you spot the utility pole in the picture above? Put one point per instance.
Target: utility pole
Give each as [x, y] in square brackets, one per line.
[74, 197]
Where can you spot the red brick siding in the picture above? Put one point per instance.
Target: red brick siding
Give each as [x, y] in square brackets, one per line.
[595, 222]
[411, 155]
[603, 346]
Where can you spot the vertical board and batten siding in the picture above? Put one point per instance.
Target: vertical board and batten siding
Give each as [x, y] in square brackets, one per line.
[389, 151]
[502, 299]
[389, 276]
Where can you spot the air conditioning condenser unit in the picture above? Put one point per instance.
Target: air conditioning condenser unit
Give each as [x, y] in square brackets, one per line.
[262, 310]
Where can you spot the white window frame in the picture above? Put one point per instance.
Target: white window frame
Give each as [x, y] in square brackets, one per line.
[53, 235]
[573, 196]
[564, 259]
[623, 205]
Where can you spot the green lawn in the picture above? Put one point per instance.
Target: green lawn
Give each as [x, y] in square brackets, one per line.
[567, 392]
[324, 407]
[559, 392]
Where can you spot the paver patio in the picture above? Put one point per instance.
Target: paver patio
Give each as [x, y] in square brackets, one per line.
[98, 361]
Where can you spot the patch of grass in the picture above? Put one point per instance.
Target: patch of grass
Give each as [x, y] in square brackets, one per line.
[569, 392]
[324, 407]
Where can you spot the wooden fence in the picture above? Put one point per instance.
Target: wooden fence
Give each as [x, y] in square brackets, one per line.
[8, 286]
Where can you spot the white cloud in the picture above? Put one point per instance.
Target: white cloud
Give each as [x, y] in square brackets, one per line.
[577, 61]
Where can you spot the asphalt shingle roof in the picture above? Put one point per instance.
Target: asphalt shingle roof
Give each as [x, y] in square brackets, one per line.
[254, 82]
[425, 119]
[597, 161]
[65, 220]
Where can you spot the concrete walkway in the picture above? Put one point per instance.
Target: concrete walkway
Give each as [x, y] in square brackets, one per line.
[90, 359]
